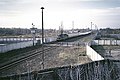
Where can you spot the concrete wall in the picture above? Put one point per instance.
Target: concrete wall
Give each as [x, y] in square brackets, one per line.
[25, 43]
[47, 39]
[5, 48]
[16, 39]
[105, 42]
[92, 54]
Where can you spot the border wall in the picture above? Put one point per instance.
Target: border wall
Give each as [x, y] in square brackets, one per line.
[92, 54]
[5, 48]
[21, 43]
[97, 70]
[105, 42]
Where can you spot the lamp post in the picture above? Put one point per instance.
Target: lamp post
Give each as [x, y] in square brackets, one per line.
[42, 26]
[42, 39]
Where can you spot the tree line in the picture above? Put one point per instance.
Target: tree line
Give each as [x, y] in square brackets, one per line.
[13, 31]
[110, 31]
[21, 31]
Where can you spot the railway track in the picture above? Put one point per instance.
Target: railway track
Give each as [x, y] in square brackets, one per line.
[31, 54]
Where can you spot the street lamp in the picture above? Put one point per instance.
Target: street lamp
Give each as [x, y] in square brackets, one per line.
[42, 39]
[42, 26]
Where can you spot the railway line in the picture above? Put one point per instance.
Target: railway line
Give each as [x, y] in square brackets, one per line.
[34, 53]
[56, 53]
[29, 55]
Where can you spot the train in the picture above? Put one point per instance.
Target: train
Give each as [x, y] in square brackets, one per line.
[73, 34]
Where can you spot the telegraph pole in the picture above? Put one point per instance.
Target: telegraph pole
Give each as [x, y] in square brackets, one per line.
[42, 39]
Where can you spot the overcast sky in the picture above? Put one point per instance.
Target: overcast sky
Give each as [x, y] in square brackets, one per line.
[22, 13]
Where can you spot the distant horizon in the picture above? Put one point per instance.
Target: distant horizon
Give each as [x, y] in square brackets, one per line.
[103, 13]
[54, 29]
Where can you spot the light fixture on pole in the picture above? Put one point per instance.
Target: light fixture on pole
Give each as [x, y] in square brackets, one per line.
[42, 26]
[42, 39]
